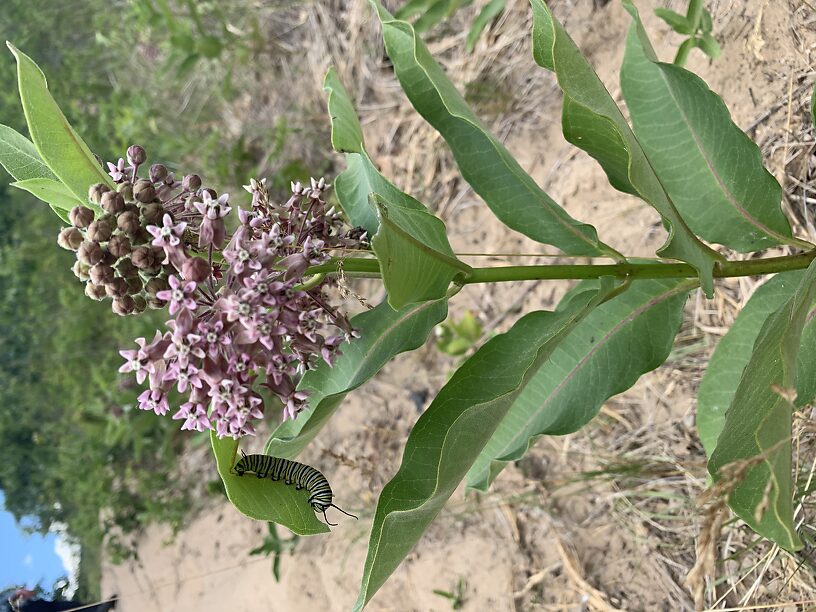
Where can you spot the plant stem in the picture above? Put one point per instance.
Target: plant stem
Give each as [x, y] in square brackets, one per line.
[362, 267]
[694, 14]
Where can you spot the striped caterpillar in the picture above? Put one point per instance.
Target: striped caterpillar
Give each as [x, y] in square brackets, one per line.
[292, 472]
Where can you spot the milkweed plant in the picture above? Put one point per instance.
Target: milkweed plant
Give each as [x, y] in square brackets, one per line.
[255, 332]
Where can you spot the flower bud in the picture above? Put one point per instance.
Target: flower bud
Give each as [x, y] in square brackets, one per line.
[126, 269]
[128, 222]
[81, 270]
[112, 202]
[158, 172]
[123, 306]
[144, 191]
[119, 246]
[136, 155]
[139, 304]
[90, 253]
[108, 258]
[95, 292]
[134, 285]
[81, 216]
[152, 213]
[101, 274]
[156, 284]
[116, 288]
[191, 182]
[196, 269]
[144, 258]
[126, 189]
[69, 238]
[100, 230]
[156, 303]
[95, 192]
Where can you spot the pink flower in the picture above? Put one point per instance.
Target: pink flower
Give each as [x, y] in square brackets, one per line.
[179, 295]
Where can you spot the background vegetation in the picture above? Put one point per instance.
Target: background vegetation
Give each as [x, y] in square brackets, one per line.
[75, 449]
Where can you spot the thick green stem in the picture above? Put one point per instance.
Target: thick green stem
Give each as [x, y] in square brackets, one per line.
[694, 14]
[357, 267]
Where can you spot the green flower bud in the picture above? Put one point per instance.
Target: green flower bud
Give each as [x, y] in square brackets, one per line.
[101, 274]
[81, 216]
[90, 253]
[119, 245]
[95, 292]
[69, 238]
[144, 191]
[81, 270]
[123, 306]
[128, 222]
[116, 288]
[100, 230]
[112, 202]
[95, 192]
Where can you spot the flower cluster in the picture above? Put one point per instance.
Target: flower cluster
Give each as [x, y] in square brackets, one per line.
[242, 317]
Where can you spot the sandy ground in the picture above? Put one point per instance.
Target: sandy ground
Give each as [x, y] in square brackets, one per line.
[603, 519]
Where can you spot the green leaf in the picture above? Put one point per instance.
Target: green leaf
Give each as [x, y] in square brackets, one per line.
[489, 12]
[592, 121]
[758, 422]
[484, 162]
[416, 259]
[706, 24]
[711, 170]
[677, 22]
[65, 153]
[435, 13]
[20, 158]
[709, 45]
[724, 371]
[384, 333]
[604, 355]
[50, 191]
[264, 499]
[412, 271]
[450, 434]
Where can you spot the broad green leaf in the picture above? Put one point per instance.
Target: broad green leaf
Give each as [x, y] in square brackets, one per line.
[19, 156]
[50, 191]
[604, 355]
[384, 333]
[489, 12]
[430, 12]
[484, 162]
[677, 22]
[416, 259]
[264, 499]
[724, 371]
[758, 422]
[450, 434]
[411, 270]
[60, 147]
[592, 121]
[711, 170]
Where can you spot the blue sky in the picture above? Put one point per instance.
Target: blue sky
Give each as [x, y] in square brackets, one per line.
[26, 559]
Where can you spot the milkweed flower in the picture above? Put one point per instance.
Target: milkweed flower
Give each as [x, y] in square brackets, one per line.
[241, 319]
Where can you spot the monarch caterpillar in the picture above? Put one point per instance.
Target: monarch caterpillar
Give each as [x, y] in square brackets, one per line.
[292, 472]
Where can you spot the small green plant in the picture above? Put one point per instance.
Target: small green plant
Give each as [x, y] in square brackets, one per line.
[276, 546]
[457, 337]
[696, 24]
[428, 13]
[455, 595]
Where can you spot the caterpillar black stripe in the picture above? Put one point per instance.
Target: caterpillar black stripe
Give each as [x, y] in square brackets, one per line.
[292, 472]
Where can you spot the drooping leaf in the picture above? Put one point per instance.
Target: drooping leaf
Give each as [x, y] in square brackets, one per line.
[489, 12]
[592, 121]
[724, 370]
[450, 434]
[59, 146]
[711, 170]
[604, 355]
[384, 333]
[493, 173]
[758, 423]
[49, 191]
[264, 499]
[20, 158]
[416, 259]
